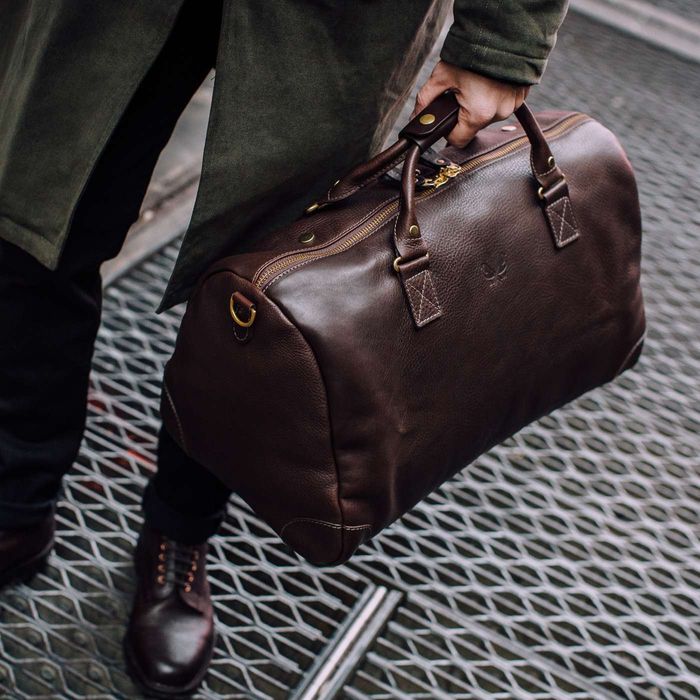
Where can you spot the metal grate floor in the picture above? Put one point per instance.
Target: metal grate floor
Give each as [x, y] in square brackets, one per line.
[565, 563]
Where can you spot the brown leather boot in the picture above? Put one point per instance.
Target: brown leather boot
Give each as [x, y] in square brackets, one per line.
[170, 638]
[24, 552]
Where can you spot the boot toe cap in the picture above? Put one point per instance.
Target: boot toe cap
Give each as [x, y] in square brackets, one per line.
[169, 661]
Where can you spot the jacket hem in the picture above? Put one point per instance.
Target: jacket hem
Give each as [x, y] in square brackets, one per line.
[30, 242]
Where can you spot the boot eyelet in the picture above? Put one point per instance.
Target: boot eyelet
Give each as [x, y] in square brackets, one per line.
[188, 588]
[161, 580]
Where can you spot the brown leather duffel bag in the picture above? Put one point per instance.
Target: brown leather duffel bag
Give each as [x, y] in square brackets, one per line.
[345, 366]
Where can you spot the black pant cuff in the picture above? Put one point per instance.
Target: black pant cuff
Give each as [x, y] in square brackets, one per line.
[14, 516]
[176, 525]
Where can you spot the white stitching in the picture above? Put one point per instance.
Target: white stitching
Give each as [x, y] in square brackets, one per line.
[540, 174]
[623, 365]
[552, 211]
[333, 240]
[177, 417]
[313, 521]
[427, 280]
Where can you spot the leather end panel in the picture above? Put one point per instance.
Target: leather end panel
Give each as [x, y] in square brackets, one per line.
[234, 406]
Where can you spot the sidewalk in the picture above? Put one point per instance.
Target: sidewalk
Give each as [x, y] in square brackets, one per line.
[562, 564]
[671, 24]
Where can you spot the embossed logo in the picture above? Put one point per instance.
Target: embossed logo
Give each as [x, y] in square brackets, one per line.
[496, 268]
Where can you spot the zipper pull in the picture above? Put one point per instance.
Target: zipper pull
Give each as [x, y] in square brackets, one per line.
[444, 175]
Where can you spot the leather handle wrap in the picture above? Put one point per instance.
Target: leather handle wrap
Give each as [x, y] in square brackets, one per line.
[434, 122]
[444, 109]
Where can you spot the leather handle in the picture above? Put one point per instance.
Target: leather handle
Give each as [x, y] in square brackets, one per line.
[434, 122]
[412, 263]
[427, 127]
[544, 169]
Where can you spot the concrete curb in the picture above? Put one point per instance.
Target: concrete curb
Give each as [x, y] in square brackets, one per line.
[641, 19]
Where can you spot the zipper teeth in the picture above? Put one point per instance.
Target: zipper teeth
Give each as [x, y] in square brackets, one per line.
[271, 270]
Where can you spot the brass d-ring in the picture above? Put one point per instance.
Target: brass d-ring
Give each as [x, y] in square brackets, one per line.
[237, 318]
[396, 264]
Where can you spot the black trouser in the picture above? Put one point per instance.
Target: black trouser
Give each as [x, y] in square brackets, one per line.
[49, 319]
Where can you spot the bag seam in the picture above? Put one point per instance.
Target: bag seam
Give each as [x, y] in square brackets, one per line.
[325, 523]
[331, 440]
[632, 350]
[178, 422]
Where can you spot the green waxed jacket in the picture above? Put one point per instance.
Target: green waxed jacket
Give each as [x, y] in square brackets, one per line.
[304, 89]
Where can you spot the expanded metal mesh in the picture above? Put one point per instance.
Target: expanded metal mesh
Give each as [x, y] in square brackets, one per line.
[564, 563]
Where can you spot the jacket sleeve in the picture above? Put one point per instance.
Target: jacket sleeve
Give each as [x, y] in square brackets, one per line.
[507, 40]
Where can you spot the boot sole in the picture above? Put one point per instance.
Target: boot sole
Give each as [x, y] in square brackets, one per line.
[159, 690]
[26, 570]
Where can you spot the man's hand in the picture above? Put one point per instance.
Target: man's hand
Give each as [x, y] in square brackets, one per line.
[482, 100]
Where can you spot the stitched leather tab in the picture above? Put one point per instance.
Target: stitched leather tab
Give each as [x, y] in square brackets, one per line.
[562, 222]
[423, 298]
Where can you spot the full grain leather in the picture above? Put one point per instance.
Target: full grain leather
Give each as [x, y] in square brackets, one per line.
[360, 388]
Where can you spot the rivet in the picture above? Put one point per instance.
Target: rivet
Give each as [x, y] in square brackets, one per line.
[414, 231]
[94, 673]
[509, 127]
[312, 208]
[307, 237]
[47, 673]
[550, 161]
[427, 119]
[80, 638]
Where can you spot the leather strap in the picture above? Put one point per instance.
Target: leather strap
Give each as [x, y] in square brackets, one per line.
[413, 261]
[553, 190]
[444, 111]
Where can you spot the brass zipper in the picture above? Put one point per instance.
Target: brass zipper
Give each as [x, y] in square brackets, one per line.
[262, 278]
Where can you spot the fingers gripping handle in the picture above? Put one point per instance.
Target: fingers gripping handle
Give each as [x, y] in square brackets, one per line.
[434, 122]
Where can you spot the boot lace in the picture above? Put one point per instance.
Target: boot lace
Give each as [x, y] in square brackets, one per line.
[177, 564]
